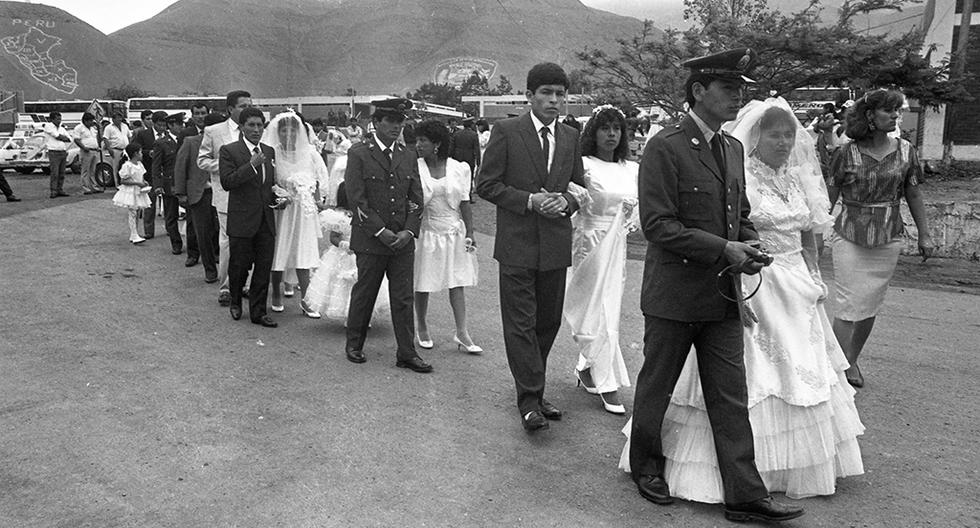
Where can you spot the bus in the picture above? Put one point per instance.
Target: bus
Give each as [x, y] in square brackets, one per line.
[172, 105]
[36, 112]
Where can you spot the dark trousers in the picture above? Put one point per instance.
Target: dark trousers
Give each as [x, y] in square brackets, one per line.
[58, 159]
[171, 210]
[202, 220]
[721, 366]
[5, 187]
[371, 269]
[253, 253]
[530, 307]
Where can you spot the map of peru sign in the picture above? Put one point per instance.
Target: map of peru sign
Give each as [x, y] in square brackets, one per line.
[456, 70]
[33, 50]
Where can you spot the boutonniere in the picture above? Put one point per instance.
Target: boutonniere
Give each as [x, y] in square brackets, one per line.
[273, 162]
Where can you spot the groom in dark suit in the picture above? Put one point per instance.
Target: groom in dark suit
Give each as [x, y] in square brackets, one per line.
[248, 172]
[527, 166]
[695, 218]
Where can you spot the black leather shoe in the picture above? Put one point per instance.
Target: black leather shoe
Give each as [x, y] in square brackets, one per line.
[224, 298]
[654, 489]
[211, 278]
[355, 356]
[236, 312]
[265, 321]
[13, 198]
[177, 250]
[191, 261]
[60, 194]
[550, 411]
[415, 364]
[534, 421]
[764, 509]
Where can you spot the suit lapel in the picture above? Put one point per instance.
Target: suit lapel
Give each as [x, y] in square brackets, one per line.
[533, 146]
[700, 146]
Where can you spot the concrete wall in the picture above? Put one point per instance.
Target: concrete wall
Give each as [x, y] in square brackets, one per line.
[955, 229]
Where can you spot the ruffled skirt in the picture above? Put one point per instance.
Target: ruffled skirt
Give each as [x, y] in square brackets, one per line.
[330, 285]
[441, 259]
[131, 196]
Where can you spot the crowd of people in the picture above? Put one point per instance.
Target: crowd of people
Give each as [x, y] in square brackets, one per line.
[746, 386]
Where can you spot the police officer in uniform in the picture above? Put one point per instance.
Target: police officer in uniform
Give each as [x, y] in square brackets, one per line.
[385, 196]
[695, 218]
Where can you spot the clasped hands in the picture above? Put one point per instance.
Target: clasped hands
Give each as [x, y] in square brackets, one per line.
[741, 253]
[395, 240]
[548, 204]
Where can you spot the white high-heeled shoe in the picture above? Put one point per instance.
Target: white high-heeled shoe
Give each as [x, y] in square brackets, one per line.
[580, 383]
[614, 408]
[472, 349]
[426, 344]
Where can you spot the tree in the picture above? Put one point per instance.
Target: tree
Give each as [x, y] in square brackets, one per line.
[475, 84]
[503, 86]
[126, 91]
[795, 50]
[441, 94]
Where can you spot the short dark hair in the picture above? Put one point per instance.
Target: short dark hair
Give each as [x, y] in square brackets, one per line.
[54, 114]
[857, 126]
[88, 116]
[436, 132]
[233, 96]
[202, 104]
[605, 117]
[250, 112]
[146, 114]
[132, 149]
[213, 118]
[317, 121]
[703, 79]
[546, 73]
[118, 113]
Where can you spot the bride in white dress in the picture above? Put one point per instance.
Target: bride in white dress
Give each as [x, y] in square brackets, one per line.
[804, 421]
[594, 293]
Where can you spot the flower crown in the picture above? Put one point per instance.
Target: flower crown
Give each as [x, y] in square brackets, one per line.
[596, 110]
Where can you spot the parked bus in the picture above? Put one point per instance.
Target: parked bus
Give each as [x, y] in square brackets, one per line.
[172, 105]
[71, 111]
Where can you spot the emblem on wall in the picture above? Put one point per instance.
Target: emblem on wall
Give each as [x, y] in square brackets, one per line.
[456, 70]
[33, 50]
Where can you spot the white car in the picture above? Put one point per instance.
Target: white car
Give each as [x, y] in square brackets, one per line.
[25, 154]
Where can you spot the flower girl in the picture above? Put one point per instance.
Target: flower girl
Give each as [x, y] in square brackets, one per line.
[133, 192]
[329, 291]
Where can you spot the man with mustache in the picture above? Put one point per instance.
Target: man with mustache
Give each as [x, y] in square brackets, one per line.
[695, 218]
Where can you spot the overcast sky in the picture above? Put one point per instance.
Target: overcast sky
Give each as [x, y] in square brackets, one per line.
[111, 15]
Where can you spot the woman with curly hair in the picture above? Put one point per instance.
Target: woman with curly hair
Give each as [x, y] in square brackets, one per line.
[445, 256]
[871, 175]
[594, 293]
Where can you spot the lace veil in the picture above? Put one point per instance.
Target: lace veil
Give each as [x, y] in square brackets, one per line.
[299, 168]
[803, 164]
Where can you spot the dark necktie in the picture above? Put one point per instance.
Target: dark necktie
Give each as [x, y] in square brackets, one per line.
[718, 153]
[261, 170]
[545, 146]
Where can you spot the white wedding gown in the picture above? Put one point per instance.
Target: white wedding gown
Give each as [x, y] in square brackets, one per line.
[804, 421]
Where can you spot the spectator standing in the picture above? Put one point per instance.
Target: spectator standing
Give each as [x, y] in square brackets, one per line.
[57, 140]
[116, 138]
[86, 136]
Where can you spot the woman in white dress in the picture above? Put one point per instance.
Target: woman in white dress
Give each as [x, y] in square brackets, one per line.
[445, 255]
[594, 293]
[300, 172]
[804, 421]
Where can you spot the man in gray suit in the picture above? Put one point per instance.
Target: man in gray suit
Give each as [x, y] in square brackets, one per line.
[528, 164]
[192, 185]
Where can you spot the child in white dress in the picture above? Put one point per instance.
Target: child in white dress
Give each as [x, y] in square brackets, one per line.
[330, 285]
[133, 193]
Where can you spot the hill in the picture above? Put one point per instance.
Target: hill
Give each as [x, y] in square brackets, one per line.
[50, 54]
[298, 47]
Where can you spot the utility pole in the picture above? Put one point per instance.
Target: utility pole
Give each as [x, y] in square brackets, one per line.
[959, 66]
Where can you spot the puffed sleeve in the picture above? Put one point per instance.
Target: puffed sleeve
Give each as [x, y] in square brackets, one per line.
[844, 166]
[914, 172]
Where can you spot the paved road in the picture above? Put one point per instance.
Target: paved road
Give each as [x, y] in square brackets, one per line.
[128, 398]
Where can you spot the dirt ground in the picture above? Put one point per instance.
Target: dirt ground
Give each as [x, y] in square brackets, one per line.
[130, 399]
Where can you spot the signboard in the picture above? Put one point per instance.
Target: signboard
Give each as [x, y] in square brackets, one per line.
[456, 70]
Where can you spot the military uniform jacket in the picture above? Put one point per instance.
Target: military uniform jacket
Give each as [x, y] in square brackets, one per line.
[164, 160]
[514, 168]
[382, 194]
[689, 211]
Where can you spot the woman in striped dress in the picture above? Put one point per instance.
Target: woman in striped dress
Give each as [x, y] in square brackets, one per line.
[870, 176]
